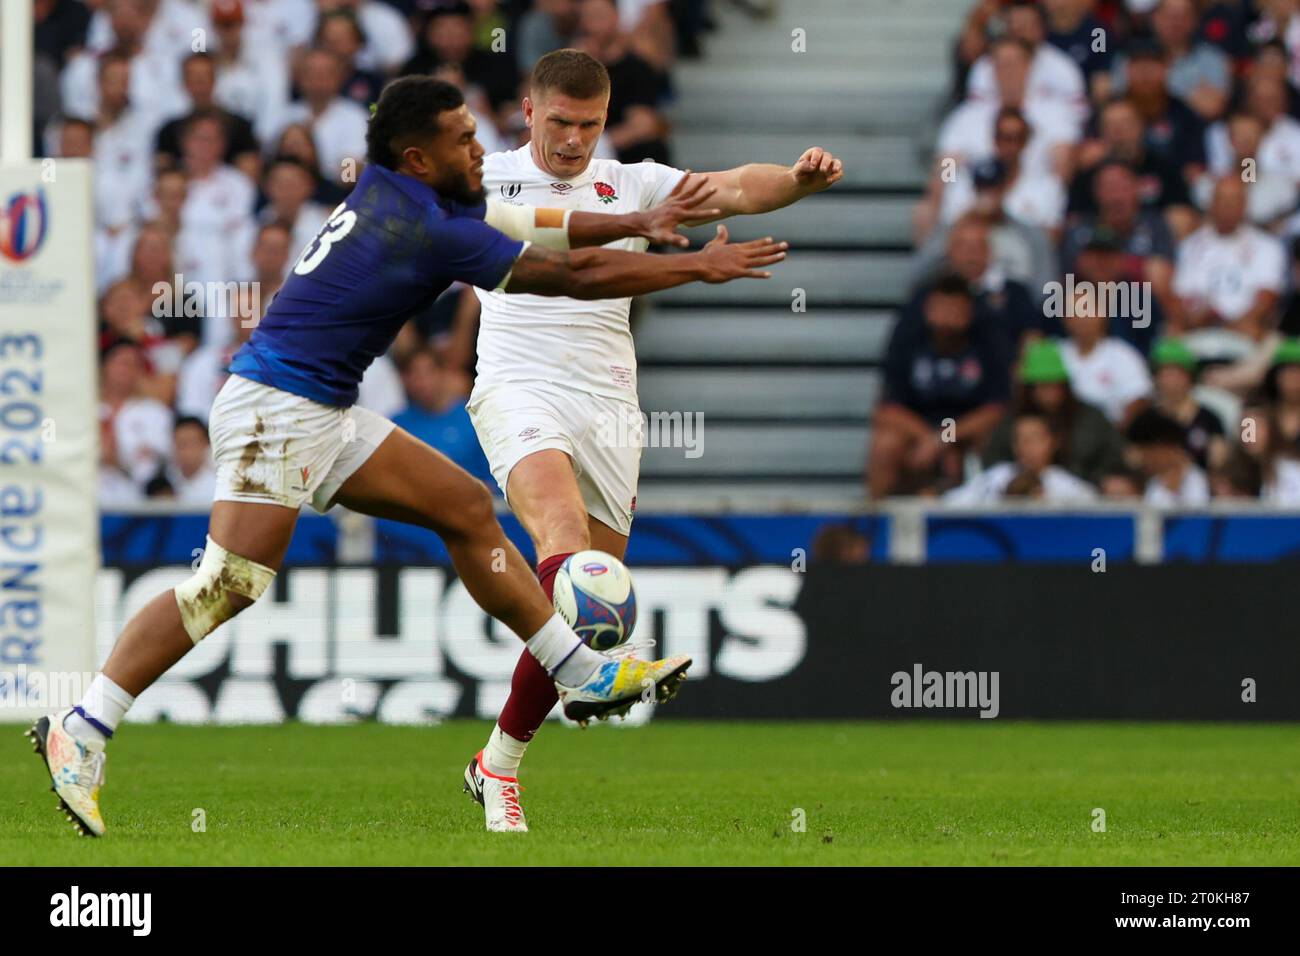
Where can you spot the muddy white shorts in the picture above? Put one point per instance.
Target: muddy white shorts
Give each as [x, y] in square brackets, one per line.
[602, 435]
[273, 447]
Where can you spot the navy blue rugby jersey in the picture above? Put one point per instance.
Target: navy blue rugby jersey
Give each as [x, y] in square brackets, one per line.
[386, 253]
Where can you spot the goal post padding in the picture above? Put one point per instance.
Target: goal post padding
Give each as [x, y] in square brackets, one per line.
[49, 436]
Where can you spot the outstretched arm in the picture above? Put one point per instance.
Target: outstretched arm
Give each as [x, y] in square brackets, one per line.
[614, 274]
[762, 187]
[561, 229]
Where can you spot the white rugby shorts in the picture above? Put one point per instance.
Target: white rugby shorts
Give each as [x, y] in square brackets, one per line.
[274, 447]
[602, 436]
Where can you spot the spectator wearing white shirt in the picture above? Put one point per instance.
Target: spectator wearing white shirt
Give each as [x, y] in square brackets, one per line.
[1104, 371]
[1055, 81]
[204, 371]
[191, 473]
[289, 186]
[168, 26]
[1023, 252]
[1173, 479]
[141, 426]
[1273, 193]
[252, 71]
[155, 89]
[217, 218]
[111, 182]
[1278, 149]
[122, 155]
[116, 489]
[338, 126]
[1033, 474]
[278, 26]
[1035, 198]
[389, 41]
[1229, 273]
[966, 136]
[161, 246]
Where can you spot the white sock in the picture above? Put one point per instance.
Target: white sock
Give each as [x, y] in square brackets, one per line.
[562, 653]
[103, 707]
[503, 753]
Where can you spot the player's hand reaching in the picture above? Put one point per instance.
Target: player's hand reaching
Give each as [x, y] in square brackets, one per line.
[686, 203]
[725, 261]
[817, 169]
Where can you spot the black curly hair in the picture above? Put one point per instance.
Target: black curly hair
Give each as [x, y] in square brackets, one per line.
[408, 109]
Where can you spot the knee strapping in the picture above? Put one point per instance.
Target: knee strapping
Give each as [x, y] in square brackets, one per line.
[204, 599]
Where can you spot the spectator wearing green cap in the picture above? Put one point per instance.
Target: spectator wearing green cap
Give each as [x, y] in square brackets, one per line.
[1173, 367]
[1282, 388]
[1089, 445]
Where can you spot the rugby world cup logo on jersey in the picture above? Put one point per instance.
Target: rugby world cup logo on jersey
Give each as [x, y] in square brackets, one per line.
[511, 190]
[24, 222]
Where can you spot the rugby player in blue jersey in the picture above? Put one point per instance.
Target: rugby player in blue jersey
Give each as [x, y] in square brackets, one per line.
[286, 432]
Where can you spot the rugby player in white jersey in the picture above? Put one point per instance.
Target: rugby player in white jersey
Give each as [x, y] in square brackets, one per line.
[557, 376]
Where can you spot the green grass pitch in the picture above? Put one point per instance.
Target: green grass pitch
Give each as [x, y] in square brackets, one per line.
[697, 793]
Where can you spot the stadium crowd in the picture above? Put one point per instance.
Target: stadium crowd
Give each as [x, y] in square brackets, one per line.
[1107, 283]
[223, 132]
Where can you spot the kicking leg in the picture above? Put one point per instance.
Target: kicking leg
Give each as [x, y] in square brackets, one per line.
[406, 480]
[544, 494]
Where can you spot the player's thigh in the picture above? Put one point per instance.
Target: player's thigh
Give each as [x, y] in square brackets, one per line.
[256, 531]
[270, 448]
[544, 495]
[609, 468]
[604, 538]
[527, 430]
[404, 479]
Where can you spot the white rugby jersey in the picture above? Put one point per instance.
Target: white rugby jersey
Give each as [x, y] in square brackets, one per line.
[581, 344]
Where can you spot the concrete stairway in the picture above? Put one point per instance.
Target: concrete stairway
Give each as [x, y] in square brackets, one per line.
[786, 397]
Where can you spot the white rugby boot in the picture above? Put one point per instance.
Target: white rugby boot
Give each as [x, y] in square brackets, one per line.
[498, 796]
[76, 772]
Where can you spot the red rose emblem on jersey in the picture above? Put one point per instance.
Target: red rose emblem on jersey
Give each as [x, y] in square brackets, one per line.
[606, 192]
